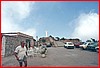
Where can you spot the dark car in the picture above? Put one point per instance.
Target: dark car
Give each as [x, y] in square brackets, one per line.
[97, 49]
[76, 44]
[48, 44]
[93, 46]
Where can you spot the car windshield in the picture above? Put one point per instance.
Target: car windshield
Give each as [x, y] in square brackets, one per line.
[69, 43]
[85, 43]
[76, 43]
[95, 44]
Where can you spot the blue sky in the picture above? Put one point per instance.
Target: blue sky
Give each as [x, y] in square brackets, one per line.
[60, 19]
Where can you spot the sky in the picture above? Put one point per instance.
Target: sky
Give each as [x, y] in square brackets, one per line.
[59, 19]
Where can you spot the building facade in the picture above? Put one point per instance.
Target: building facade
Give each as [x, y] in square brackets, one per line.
[11, 40]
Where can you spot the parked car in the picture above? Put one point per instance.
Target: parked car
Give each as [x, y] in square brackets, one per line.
[76, 44]
[48, 44]
[69, 45]
[97, 49]
[84, 46]
[92, 46]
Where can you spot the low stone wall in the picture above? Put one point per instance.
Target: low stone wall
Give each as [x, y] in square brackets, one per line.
[12, 42]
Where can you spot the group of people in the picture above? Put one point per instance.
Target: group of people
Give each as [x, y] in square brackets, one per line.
[21, 52]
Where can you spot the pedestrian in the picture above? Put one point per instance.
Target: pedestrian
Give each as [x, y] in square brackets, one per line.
[30, 51]
[36, 51]
[43, 50]
[21, 54]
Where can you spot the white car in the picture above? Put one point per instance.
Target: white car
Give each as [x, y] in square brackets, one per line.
[84, 46]
[69, 45]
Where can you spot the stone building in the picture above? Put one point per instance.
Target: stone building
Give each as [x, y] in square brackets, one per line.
[71, 40]
[11, 40]
[47, 40]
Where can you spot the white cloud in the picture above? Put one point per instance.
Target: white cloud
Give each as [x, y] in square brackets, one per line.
[16, 9]
[87, 26]
[31, 31]
[14, 12]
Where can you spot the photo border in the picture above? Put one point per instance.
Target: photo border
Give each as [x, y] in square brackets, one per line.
[51, 66]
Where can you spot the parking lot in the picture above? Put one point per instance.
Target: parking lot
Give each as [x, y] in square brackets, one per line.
[59, 56]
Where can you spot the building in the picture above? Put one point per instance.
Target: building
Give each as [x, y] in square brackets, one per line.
[11, 40]
[71, 40]
[47, 40]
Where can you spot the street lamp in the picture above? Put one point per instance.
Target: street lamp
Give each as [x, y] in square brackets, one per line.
[37, 40]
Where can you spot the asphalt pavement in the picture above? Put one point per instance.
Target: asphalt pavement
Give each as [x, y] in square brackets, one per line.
[58, 56]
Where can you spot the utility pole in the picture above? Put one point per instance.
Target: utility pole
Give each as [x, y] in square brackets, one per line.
[37, 40]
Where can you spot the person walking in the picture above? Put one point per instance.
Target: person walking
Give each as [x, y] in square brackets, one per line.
[43, 50]
[21, 54]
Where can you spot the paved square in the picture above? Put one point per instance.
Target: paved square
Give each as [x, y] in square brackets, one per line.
[59, 56]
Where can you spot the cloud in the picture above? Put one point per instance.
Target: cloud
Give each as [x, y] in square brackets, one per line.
[16, 9]
[12, 14]
[87, 26]
[31, 31]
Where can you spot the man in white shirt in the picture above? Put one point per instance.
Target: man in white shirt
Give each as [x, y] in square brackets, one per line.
[21, 54]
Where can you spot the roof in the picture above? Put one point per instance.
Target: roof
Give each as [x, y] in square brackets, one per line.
[17, 34]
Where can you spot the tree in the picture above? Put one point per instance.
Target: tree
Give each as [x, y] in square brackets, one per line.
[93, 40]
[43, 40]
[57, 38]
[63, 38]
[50, 36]
[88, 41]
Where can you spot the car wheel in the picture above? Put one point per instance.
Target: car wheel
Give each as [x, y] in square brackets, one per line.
[97, 50]
[83, 48]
